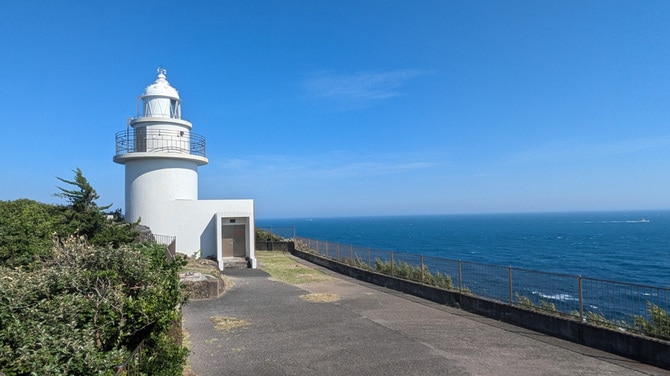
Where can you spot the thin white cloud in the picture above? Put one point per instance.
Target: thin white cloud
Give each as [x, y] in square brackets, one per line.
[329, 167]
[363, 169]
[579, 151]
[626, 146]
[235, 163]
[359, 89]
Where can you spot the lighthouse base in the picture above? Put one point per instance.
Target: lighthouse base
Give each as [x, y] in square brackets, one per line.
[213, 229]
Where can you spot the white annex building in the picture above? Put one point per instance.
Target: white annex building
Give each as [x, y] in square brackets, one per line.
[161, 157]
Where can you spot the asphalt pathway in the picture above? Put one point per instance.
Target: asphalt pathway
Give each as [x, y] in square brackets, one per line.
[370, 331]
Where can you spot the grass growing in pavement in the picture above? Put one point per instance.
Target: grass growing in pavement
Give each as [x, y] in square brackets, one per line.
[320, 298]
[224, 324]
[283, 268]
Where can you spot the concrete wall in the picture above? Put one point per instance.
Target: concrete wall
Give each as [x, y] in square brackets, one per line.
[647, 350]
[195, 225]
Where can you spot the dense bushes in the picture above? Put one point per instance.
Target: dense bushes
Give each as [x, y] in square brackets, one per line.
[267, 236]
[657, 326]
[76, 297]
[26, 228]
[419, 273]
[87, 308]
[414, 273]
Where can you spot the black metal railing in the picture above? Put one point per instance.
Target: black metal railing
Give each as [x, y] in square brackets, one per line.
[159, 141]
[131, 366]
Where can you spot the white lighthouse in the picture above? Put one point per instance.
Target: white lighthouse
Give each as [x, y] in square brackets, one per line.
[161, 157]
[160, 153]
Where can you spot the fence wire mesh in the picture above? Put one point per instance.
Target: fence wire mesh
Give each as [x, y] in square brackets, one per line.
[284, 232]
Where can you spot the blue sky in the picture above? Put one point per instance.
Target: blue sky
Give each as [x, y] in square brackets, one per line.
[352, 108]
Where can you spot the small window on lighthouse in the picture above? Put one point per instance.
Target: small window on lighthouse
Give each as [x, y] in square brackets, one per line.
[174, 109]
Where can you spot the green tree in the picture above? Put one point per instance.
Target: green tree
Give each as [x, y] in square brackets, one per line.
[83, 217]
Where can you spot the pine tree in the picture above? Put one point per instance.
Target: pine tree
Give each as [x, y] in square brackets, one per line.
[83, 217]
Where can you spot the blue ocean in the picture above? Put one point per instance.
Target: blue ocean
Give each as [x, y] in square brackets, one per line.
[630, 246]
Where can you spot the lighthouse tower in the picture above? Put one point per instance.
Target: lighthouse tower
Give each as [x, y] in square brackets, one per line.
[161, 157]
[160, 153]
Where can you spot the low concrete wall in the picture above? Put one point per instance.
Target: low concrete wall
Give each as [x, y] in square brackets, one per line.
[202, 286]
[274, 246]
[644, 349]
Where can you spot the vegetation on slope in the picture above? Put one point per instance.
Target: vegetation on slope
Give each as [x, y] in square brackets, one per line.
[76, 296]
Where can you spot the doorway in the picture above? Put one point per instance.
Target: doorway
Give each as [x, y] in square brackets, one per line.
[233, 241]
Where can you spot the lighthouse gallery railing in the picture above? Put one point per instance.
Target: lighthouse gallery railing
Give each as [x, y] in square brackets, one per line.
[159, 141]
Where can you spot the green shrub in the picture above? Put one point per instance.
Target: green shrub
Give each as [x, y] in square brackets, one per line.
[414, 273]
[659, 324]
[88, 308]
[266, 236]
[443, 281]
[525, 302]
[357, 262]
[546, 306]
[543, 306]
[26, 229]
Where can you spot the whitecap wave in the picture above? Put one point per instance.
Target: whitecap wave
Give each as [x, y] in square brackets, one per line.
[559, 297]
[641, 220]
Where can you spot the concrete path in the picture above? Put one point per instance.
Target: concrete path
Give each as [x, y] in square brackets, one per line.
[371, 331]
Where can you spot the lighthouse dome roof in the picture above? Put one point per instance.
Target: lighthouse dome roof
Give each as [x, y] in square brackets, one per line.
[161, 87]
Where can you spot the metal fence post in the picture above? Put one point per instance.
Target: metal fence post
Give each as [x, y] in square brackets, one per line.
[351, 252]
[421, 261]
[338, 251]
[369, 264]
[581, 298]
[460, 277]
[392, 264]
[509, 279]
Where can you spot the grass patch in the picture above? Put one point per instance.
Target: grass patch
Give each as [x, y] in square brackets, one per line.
[320, 298]
[283, 268]
[225, 324]
[202, 266]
